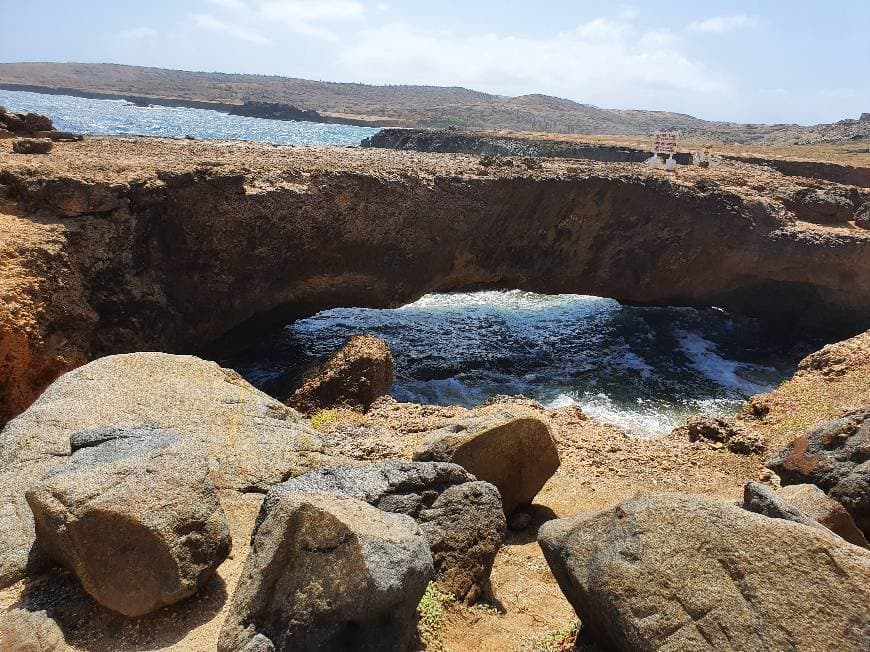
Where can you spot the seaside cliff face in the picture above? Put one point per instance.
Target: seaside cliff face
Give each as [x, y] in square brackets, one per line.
[115, 245]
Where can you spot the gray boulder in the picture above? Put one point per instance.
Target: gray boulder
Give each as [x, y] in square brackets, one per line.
[328, 572]
[675, 572]
[252, 441]
[510, 448]
[761, 499]
[30, 631]
[817, 505]
[134, 515]
[460, 517]
[835, 456]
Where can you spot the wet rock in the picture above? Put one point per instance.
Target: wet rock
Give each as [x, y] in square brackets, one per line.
[30, 631]
[252, 441]
[510, 448]
[32, 146]
[676, 572]
[328, 572]
[836, 457]
[813, 502]
[718, 432]
[354, 376]
[134, 515]
[460, 516]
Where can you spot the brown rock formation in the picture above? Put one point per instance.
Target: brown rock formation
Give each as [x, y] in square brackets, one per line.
[114, 244]
[353, 377]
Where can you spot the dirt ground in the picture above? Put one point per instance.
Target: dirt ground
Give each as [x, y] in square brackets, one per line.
[526, 611]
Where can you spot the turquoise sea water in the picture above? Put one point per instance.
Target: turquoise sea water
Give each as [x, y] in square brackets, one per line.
[117, 117]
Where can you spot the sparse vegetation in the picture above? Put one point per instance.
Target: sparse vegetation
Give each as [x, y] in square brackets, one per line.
[323, 420]
[559, 640]
[432, 609]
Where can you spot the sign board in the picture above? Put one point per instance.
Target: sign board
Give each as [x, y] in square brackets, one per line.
[665, 142]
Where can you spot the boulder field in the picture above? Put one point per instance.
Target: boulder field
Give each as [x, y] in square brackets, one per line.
[114, 245]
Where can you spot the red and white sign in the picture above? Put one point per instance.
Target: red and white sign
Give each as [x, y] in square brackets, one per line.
[665, 142]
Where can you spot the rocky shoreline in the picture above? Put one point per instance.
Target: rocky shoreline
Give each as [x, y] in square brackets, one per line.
[158, 501]
[114, 245]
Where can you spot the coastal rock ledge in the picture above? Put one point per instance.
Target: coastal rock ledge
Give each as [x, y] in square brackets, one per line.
[113, 245]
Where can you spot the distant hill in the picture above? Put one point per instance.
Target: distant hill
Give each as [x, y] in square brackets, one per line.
[410, 106]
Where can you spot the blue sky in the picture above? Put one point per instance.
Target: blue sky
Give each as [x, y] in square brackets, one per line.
[761, 61]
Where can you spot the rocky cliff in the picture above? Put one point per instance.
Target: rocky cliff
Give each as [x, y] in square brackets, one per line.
[123, 244]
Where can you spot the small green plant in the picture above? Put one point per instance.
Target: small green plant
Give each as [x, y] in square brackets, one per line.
[431, 610]
[559, 640]
[323, 419]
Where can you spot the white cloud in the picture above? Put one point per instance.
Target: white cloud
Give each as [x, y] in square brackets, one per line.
[212, 24]
[302, 16]
[137, 33]
[723, 24]
[603, 61]
[235, 5]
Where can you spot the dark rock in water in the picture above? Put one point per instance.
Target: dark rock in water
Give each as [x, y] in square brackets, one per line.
[720, 432]
[816, 504]
[512, 449]
[460, 516]
[328, 572]
[354, 376]
[37, 122]
[32, 146]
[134, 515]
[676, 572]
[30, 631]
[275, 111]
[836, 457]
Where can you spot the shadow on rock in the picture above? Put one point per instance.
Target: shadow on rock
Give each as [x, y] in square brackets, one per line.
[538, 515]
[90, 626]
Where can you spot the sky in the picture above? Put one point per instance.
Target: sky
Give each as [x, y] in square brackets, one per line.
[747, 61]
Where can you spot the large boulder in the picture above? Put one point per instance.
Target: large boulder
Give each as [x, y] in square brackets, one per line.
[460, 517]
[30, 631]
[835, 456]
[252, 440]
[675, 572]
[813, 502]
[360, 372]
[512, 449]
[133, 514]
[328, 572]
